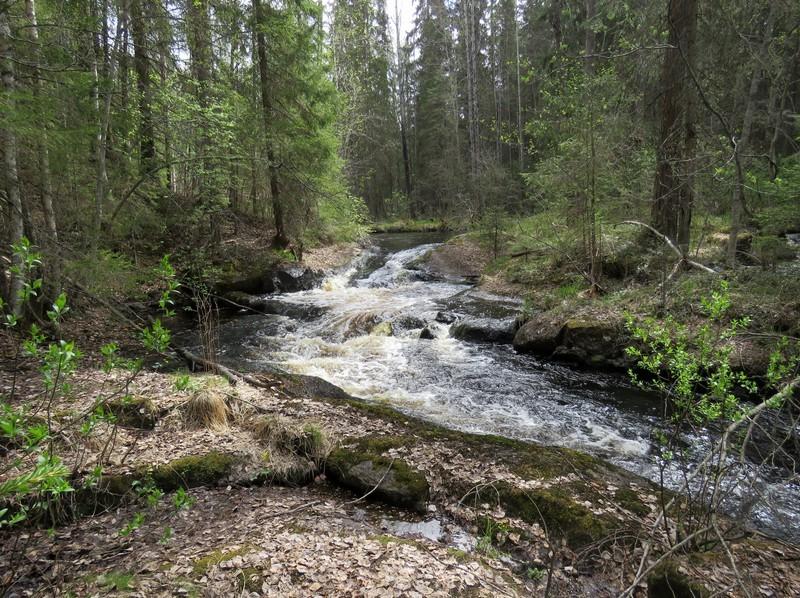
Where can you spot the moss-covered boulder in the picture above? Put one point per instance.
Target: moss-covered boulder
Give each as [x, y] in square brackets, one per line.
[667, 582]
[363, 468]
[135, 412]
[594, 342]
[552, 508]
[540, 335]
[192, 471]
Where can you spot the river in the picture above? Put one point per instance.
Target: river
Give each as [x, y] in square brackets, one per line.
[336, 332]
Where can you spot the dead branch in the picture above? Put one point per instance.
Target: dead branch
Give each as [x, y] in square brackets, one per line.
[682, 258]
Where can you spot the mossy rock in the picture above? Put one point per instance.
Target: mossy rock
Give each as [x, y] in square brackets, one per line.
[595, 343]
[552, 508]
[539, 335]
[667, 582]
[195, 470]
[135, 412]
[361, 470]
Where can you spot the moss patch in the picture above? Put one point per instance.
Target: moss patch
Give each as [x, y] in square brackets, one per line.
[361, 470]
[194, 470]
[667, 582]
[250, 579]
[629, 499]
[204, 564]
[553, 508]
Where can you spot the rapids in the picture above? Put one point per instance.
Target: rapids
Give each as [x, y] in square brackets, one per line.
[330, 332]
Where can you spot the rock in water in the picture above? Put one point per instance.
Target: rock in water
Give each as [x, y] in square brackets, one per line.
[538, 335]
[383, 329]
[484, 330]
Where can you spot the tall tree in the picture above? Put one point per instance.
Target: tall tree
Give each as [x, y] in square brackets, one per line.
[281, 238]
[9, 135]
[141, 18]
[673, 193]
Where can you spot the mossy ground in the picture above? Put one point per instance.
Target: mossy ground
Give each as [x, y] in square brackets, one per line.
[666, 581]
[408, 225]
[203, 564]
[555, 509]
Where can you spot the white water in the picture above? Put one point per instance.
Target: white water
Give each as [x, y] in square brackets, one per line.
[480, 388]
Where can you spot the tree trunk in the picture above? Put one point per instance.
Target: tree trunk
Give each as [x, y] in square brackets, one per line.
[281, 238]
[401, 99]
[16, 223]
[673, 189]
[520, 138]
[140, 20]
[591, 211]
[42, 146]
[738, 199]
[102, 81]
[470, 30]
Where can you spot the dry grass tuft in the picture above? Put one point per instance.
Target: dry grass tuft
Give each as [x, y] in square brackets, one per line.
[283, 436]
[207, 406]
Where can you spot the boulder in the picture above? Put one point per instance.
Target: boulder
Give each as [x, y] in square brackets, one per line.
[666, 581]
[135, 412]
[278, 280]
[445, 317]
[426, 334]
[594, 343]
[484, 330]
[361, 469]
[588, 341]
[271, 305]
[539, 335]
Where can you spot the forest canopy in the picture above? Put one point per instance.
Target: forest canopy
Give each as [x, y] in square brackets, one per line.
[130, 125]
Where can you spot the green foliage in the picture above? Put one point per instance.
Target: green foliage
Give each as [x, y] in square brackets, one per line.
[148, 491]
[777, 199]
[132, 525]
[116, 581]
[182, 499]
[692, 368]
[486, 542]
[535, 573]
[343, 217]
[42, 477]
[156, 337]
[184, 382]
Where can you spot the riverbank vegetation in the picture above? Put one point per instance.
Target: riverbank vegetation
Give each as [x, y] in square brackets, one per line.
[630, 171]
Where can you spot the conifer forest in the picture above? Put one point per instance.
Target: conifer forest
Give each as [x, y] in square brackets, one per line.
[400, 298]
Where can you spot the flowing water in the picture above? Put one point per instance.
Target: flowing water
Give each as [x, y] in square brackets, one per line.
[337, 332]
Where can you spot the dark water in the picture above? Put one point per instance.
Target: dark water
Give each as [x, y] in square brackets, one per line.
[475, 387]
